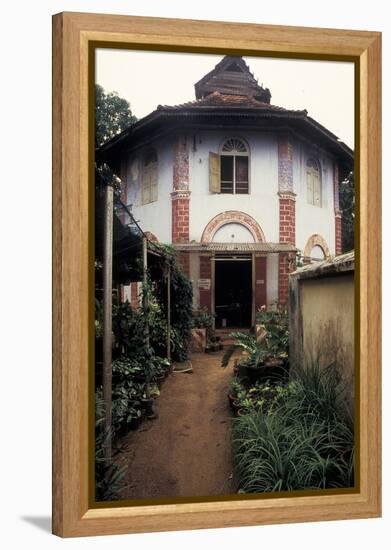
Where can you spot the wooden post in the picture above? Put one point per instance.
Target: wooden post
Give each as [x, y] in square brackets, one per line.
[145, 301]
[145, 279]
[107, 315]
[169, 314]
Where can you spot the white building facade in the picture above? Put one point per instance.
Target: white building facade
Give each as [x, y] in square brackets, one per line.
[237, 185]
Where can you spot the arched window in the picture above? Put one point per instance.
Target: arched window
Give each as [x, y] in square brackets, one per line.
[234, 167]
[149, 177]
[313, 182]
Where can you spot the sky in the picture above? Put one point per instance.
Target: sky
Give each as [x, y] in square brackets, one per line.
[149, 79]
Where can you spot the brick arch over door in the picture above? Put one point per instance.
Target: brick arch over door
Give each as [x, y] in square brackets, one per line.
[232, 216]
[316, 240]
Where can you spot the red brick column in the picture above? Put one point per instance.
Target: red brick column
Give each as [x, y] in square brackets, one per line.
[260, 282]
[134, 300]
[337, 213]
[338, 233]
[180, 204]
[206, 273]
[180, 216]
[287, 214]
[180, 194]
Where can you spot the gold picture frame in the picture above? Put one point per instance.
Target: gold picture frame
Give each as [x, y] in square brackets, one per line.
[75, 35]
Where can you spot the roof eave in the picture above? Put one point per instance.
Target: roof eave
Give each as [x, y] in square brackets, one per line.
[199, 111]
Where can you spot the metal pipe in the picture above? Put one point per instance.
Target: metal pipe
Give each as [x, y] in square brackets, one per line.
[107, 316]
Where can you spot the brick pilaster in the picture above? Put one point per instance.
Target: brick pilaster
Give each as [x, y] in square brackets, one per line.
[180, 195]
[337, 213]
[338, 233]
[287, 215]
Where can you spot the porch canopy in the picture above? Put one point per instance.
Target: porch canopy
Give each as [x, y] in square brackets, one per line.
[127, 246]
[267, 248]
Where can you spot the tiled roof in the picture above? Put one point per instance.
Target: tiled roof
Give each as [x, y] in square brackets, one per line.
[330, 266]
[217, 99]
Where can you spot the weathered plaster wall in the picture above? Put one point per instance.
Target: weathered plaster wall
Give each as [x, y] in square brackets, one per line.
[272, 278]
[261, 203]
[156, 216]
[322, 323]
[312, 219]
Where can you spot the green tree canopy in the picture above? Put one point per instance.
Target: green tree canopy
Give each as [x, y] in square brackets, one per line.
[347, 205]
[112, 115]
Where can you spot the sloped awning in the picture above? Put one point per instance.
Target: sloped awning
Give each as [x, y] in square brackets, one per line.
[267, 248]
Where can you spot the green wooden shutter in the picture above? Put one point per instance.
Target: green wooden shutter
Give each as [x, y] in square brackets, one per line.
[214, 173]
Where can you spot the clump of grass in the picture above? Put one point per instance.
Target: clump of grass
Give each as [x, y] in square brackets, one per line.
[305, 441]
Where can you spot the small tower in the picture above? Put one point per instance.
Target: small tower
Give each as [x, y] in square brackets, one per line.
[231, 76]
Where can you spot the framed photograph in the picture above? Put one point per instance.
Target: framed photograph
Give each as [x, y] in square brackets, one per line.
[216, 274]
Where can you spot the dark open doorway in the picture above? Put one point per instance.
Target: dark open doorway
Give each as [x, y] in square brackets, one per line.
[233, 291]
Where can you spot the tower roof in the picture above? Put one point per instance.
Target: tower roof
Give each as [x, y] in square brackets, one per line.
[231, 76]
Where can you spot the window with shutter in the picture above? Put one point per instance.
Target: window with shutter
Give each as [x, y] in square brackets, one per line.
[149, 180]
[314, 191]
[214, 173]
[234, 166]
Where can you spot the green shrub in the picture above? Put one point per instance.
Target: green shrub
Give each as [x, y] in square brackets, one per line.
[276, 325]
[201, 318]
[108, 474]
[304, 440]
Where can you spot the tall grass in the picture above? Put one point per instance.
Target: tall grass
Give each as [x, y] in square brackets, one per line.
[306, 441]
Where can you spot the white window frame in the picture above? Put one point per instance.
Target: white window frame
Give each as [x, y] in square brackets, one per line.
[234, 154]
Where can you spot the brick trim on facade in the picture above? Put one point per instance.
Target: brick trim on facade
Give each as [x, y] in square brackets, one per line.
[232, 216]
[180, 196]
[338, 233]
[287, 214]
[316, 240]
[337, 213]
[180, 201]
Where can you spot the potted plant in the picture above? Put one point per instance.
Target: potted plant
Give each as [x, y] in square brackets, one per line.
[134, 418]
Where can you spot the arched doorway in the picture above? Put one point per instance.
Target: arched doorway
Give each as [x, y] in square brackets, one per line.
[233, 297]
[235, 269]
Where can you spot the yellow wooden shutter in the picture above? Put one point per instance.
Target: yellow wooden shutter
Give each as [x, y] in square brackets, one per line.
[154, 180]
[214, 173]
[146, 186]
[316, 180]
[310, 187]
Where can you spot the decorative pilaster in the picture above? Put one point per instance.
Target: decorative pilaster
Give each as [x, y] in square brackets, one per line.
[287, 215]
[180, 200]
[180, 195]
[337, 213]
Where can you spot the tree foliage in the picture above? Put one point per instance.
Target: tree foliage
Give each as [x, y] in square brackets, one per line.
[347, 204]
[112, 115]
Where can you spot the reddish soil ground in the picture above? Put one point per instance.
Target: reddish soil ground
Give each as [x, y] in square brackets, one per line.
[186, 450]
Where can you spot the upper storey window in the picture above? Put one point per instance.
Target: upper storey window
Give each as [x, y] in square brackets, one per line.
[149, 177]
[313, 182]
[229, 171]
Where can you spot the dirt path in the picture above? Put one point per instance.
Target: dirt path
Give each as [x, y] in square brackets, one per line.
[186, 451]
